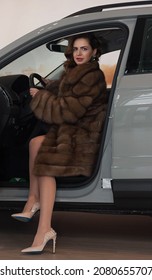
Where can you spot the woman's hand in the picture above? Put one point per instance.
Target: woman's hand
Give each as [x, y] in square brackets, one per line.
[33, 91]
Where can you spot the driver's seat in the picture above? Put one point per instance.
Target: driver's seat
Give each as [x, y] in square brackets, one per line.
[10, 104]
[9, 110]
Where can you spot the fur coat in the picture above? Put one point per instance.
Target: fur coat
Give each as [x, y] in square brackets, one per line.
[75, 108]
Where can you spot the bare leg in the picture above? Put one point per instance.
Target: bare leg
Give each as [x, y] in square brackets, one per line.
[47, 188]
[33, 197]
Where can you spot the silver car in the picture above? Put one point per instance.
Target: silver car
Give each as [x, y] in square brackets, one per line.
[122, 176]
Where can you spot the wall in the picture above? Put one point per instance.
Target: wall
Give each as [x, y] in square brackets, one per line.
[19, 17]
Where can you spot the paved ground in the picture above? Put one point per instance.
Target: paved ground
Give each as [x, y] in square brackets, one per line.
[81, 236]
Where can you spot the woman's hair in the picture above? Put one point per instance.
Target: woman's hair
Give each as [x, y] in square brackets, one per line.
[93, 41]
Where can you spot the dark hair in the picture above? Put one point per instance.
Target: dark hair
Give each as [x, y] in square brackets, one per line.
[93, 41]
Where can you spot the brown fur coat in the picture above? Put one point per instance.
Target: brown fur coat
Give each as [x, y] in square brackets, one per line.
[75, 108]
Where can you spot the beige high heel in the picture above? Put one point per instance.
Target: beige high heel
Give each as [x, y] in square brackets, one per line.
[27, 216]
[38, 249]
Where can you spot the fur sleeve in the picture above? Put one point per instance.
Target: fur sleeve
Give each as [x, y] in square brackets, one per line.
[69, 107]
[55, 109]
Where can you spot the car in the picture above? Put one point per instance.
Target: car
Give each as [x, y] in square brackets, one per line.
[121, 181]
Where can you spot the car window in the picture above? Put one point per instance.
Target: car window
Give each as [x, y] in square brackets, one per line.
[108, 64]
[39, 60]
[47, 59]
[146, 56]
[140, 57]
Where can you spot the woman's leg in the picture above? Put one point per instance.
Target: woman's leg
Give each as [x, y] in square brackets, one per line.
[33, 196]
[47, 189]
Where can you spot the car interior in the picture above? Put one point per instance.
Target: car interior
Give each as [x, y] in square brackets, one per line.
[17, 122]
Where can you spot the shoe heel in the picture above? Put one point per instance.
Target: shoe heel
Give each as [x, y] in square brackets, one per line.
[54, 244]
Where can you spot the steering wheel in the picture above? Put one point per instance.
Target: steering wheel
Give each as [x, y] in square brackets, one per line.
[39, 78]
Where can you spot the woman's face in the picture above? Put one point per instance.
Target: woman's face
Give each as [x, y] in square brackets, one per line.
[82, 51]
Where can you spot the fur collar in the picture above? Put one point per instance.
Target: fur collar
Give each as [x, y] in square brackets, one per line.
[76, 73]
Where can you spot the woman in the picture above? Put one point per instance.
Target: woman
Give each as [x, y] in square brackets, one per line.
[75, 107]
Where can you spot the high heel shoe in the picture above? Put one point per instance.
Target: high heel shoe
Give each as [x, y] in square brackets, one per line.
[27, 216]
[38, 249]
